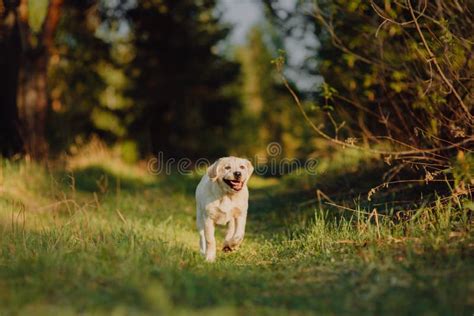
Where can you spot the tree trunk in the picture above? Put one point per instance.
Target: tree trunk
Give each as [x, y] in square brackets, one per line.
[33, 103]
[32, 90]
[10, 50]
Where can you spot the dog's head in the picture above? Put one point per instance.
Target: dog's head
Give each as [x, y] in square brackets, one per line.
[230, 173]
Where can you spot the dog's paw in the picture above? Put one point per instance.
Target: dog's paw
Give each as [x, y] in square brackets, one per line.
[232, 245]
[210, 257]
[236, 241]
[227, 248]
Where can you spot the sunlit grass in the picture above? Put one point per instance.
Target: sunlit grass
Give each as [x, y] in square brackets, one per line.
[100, 236]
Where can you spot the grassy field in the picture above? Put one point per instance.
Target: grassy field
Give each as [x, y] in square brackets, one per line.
[97, 236]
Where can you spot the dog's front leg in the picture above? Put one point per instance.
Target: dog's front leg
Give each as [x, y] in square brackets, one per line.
[229, 235]
[210, 240]
[239, 230]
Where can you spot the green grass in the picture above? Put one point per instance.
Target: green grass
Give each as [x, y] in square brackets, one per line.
[106, 238]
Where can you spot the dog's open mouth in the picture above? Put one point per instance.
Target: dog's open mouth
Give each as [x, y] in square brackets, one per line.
[234, 184]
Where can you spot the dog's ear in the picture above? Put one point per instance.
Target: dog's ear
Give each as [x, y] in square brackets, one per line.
[249, 166]
[213, 170]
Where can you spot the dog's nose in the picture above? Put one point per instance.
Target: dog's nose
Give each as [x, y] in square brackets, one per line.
[237, 174]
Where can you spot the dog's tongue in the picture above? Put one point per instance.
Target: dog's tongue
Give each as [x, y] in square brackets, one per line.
[236, 185]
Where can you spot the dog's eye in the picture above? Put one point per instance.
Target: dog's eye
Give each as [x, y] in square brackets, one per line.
[242, 167]
[227, 167]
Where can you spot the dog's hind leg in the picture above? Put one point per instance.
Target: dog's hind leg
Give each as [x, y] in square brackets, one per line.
[228, 236]
[210, 240]
[202, 237]
[239, 231]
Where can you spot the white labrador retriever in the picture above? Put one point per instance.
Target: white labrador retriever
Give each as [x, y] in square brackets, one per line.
[222, 198]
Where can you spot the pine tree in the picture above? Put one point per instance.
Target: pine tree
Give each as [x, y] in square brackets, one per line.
[180, 78]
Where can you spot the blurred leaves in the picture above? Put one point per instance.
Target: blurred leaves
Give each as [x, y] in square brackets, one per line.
[37, 10]
[266, 114]
[79, 79]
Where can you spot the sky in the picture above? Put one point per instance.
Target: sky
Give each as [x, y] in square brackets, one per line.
[243, 14]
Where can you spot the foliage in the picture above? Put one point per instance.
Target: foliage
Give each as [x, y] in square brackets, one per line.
[37, 13]
[76, 80]
[397, 73]
[146, 72]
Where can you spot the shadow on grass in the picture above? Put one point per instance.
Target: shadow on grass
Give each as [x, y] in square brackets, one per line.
[275, 207]
[294, 200]
[96, 178]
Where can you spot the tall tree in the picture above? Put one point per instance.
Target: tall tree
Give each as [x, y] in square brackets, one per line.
[76, 78]
[180, 78]
[30, 28]
[37, 33]
[10, 50]
[267, 114]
